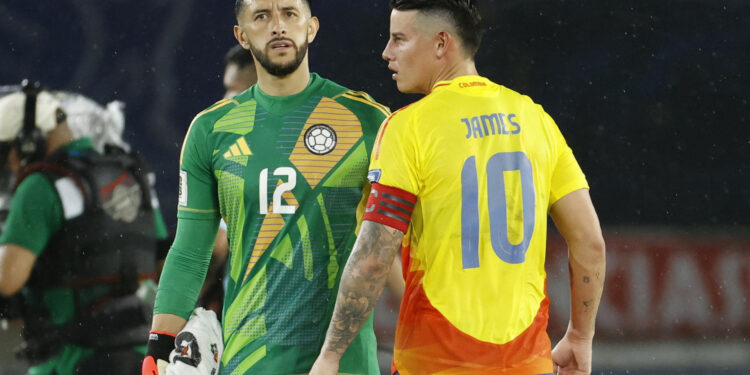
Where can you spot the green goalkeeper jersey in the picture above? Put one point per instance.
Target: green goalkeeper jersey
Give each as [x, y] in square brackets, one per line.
[289, 177]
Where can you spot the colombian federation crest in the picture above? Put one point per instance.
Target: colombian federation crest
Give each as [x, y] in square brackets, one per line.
[320, 139]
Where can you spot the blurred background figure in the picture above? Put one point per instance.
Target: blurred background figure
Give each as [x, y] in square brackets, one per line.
[6, 176]
[85, 118]
[239, 71]
[79, 243]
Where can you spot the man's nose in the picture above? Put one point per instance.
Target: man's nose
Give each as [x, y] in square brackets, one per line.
[386, 55]
[278, 25]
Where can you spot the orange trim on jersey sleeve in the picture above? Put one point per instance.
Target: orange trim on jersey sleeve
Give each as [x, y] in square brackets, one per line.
[380, 136]
[427, 343]
[382, 132]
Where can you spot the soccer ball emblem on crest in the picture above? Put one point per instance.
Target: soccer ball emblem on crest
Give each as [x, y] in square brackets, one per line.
[320, 139]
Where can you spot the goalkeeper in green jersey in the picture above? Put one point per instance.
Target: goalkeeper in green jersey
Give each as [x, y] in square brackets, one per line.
[284, 163]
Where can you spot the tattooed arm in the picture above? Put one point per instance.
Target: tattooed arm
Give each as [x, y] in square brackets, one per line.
[576, 220]
[362, 283]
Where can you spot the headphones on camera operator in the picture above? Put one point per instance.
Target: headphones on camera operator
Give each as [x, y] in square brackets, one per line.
[30, 143]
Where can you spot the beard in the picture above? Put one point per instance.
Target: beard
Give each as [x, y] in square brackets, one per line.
[276, 69]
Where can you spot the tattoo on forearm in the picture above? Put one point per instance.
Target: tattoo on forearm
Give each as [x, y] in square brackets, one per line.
[586, 279]
[362, 283]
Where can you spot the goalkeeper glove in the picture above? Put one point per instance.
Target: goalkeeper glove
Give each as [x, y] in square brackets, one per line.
[198, 347]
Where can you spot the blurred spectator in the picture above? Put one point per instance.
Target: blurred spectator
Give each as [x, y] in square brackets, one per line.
[239, 71]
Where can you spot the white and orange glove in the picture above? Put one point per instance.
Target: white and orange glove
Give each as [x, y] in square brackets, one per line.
[196, 350]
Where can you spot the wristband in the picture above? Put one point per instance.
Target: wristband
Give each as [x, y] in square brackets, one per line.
[160, 344]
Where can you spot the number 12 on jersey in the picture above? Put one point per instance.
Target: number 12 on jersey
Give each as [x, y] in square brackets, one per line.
[498, 210]
[278, 208]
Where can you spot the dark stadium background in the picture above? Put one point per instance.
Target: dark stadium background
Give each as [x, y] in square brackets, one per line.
[651, 95]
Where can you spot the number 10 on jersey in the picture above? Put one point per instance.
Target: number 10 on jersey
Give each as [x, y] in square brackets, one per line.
[278, 208]
[498, 210]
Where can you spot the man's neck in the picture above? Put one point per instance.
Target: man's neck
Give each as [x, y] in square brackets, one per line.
[291, 84]
[463, 68]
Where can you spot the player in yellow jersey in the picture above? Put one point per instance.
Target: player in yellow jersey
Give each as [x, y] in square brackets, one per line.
[463, 181]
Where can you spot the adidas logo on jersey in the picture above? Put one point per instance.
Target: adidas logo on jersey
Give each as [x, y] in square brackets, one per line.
[239, 148]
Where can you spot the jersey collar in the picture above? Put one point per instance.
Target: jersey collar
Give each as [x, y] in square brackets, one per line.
[281, 104]
[463, 81]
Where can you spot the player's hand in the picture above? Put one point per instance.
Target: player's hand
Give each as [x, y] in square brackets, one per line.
[572, 355]
[325, 365]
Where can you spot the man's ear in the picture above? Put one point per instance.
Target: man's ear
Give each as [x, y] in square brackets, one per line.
[443, 42]
[241, 37]
[313, 25]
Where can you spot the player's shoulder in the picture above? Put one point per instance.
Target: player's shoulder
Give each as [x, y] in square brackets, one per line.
[400, 120]
[413, 110]
[208, 116]
[362, 101]
[359, 102]
[517, 96]
[519, 101]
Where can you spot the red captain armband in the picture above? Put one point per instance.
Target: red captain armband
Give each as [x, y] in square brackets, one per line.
[390, 206]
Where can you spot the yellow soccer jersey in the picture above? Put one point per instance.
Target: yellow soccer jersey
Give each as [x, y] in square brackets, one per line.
[485, 163]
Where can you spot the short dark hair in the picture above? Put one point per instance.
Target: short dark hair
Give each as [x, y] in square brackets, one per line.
[463, 13]
[239, 4]
[238, 55]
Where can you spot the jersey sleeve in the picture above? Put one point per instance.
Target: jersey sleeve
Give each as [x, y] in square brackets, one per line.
[395, 160]
[197, 197]
[185, 267]
[567, 175]
[35, 215]
[197, 223]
